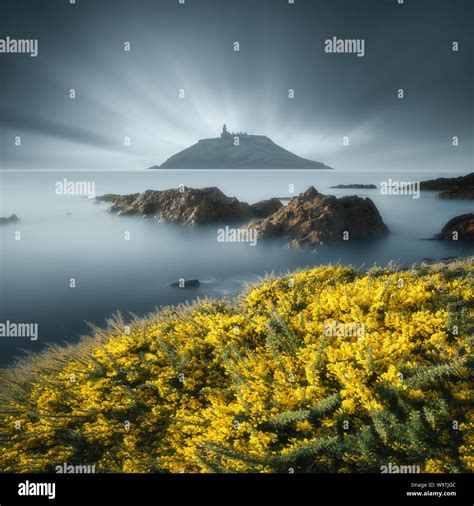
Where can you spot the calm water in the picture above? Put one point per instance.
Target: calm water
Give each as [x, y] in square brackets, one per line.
[133, 276]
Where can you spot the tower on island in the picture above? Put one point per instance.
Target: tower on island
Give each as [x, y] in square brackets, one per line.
[229, 135]
[225, 134]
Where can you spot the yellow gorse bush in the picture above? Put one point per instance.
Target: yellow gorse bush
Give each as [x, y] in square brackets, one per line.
[328, 369]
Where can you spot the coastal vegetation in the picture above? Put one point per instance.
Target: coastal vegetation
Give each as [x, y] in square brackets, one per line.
[331, 369]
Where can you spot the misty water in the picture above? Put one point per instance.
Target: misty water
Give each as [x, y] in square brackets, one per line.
[113, 274]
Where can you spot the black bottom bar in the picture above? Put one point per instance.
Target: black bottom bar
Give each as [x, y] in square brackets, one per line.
[237, 490]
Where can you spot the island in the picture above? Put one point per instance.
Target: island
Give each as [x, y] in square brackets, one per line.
[451, 187]
[238, 150]
[10, 219]
[356, 186]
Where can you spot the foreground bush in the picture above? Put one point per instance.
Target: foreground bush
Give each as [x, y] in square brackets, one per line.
[324, 370]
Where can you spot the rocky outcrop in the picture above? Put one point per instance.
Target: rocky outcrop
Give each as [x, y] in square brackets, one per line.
[265, 208]
[313, 219]
[189, 283]
[356, 186]
[460, 228]
[457, 193]
[189, 206]
[451, 187]
[11, 219]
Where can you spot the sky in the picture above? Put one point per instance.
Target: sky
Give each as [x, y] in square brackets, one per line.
[190, 47]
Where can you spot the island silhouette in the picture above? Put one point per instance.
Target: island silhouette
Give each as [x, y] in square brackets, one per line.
[238, 150]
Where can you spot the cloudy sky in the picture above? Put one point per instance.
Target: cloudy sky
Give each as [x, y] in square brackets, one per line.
[190, 47]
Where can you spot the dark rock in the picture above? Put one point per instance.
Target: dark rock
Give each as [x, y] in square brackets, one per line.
[447, 183]
[190, 283]
[313, 219]
[451, 187]
[188, 206]
[463, 225]
[356, 186]
[457, 193]
[265, 208]
[11, 219]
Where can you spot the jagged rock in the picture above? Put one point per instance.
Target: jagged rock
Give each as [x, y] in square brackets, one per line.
[451, 187]
[265, 208]
[190, 283]
[188, 206]
[313, 219]
[356, 186]
[11, 219]
[463, 225]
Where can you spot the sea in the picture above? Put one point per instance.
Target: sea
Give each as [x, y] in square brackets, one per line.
[68, 263]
